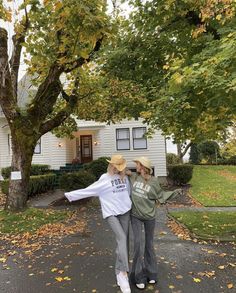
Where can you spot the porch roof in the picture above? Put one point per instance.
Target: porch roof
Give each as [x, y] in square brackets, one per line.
[83, 124]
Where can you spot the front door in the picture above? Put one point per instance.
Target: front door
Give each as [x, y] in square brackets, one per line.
[86, 148]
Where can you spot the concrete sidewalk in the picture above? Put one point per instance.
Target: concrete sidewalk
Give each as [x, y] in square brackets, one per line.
[87, 262]
[47, 199]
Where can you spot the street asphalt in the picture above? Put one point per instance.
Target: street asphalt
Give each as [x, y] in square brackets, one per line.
[84, 262]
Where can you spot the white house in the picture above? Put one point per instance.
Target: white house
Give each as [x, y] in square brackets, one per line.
[92, 140]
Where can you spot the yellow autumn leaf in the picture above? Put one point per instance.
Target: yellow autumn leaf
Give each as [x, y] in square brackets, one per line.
[163, 233]
[221, 267]
[171, 286]
[197, 280]
[59, 279]
[67, 278]
[54, 269]
[230, 286]
[3, 259]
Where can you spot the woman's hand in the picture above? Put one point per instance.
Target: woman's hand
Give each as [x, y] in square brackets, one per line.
[128, 172]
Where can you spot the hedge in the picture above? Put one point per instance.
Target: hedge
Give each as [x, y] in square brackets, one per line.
[97, 167]
[36, 169]
[37, 184]
[180, 174]
[76, 180]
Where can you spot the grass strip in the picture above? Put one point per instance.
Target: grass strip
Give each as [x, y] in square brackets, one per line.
[28, 220]
[209, 225]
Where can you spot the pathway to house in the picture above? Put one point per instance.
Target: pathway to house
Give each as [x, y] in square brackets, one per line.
[84, 262]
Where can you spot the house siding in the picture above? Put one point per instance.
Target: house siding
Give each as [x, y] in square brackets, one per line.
[155, 146]
[54, 151]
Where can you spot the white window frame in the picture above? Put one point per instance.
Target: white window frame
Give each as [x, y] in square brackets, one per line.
[122, 139]
[38, 147]
[142, 138]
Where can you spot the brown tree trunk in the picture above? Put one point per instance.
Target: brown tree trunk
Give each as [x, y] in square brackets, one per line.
[22, 153]
[179, 152]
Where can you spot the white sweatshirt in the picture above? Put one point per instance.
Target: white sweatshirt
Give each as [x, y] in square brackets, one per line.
[113, 194]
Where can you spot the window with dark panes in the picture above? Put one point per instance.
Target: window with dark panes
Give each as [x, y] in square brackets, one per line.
[139, 138]
[122, 139]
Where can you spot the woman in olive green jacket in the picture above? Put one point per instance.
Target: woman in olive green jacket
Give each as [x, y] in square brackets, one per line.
[145, 192]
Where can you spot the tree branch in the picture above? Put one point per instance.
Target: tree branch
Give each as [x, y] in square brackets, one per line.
[16, 53]
[186, 148]
[46, 95]
[80, 61]
[7, 101]
[60, 116]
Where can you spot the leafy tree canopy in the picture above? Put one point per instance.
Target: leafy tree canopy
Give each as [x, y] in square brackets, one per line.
[180, 55]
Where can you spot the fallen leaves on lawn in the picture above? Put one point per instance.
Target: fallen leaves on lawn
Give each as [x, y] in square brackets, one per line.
[48, 233]
[2, 199]
[179, 230]
[211, 194]
[227, 174]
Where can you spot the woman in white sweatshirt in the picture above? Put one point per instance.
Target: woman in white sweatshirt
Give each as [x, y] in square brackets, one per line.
[113, 190]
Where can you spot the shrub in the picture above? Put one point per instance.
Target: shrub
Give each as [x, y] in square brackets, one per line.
[222, 161]
[37, 184]
[172, 159]
[232, 160]
[97, 167]
[209, 151]
[36, 169]
[194, 155]
[180, 174]
[76, 180]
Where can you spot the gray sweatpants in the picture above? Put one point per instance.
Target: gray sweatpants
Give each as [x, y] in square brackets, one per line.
[120, 226]
[144, 266]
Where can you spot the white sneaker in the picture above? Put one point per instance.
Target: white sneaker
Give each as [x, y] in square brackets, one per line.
[140, 285]
[123, 282]
[152, 282]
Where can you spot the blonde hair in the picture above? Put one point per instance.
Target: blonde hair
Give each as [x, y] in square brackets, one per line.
[111, 168]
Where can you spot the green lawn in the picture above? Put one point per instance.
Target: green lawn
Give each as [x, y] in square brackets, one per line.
[214, 185]
[29, 220]
[209, 225]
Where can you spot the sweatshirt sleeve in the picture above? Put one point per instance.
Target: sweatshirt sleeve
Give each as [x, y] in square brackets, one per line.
[92, 190]
[156, 193]
[161, 195]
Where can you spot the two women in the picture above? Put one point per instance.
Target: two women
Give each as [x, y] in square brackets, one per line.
[115, 195]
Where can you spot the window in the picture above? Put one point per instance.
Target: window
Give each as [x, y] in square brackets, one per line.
[37, 149]
[139, 139]
[122, 139]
